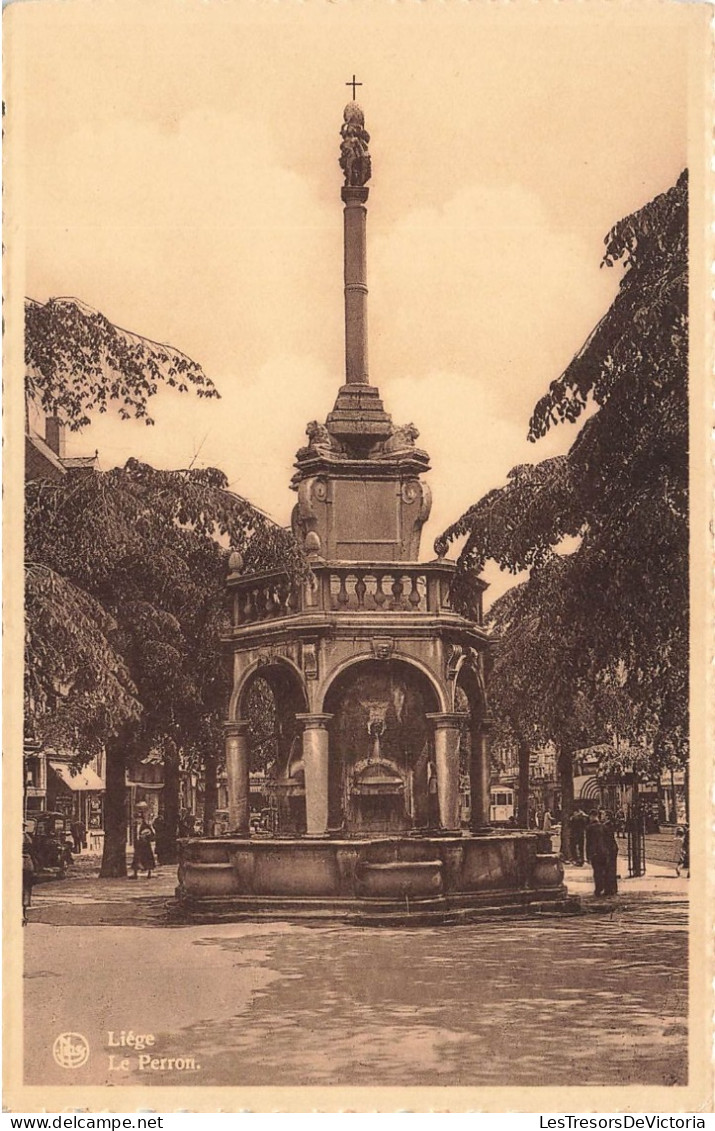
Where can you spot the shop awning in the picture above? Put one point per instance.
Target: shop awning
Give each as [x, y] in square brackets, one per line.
[80, 780]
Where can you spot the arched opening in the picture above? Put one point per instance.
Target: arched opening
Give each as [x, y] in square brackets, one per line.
[381, 748]
[270, 700]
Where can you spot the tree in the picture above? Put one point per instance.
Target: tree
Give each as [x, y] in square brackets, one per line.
[77, 362]
[76, 681]
[125, 570]
[145, 550]
[534, 695]
[619, 601]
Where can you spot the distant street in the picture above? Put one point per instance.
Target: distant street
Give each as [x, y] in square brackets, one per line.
[603, 995]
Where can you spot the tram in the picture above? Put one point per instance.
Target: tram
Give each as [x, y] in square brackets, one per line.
[501, 805]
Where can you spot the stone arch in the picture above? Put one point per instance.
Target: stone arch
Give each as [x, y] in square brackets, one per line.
[265, 665]
[471, 680]
[269, 697]
[442, 696]
[381, 745]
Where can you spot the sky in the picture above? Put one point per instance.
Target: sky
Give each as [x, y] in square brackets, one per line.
[178, 170]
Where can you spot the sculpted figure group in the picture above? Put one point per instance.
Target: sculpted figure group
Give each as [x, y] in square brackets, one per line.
[354, 155]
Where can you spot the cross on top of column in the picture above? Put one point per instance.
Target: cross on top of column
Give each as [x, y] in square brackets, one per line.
[353, 83]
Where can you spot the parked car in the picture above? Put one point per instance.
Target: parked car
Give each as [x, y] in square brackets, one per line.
[51, 842]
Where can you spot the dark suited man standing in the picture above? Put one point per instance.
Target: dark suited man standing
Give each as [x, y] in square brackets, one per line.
[597, 852]
[579, 820]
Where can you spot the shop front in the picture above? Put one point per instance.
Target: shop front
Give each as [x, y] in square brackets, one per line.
[79, 794]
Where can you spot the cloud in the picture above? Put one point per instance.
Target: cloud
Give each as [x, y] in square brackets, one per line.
[487, 286]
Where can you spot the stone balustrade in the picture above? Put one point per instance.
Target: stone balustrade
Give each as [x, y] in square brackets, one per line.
[379, 590]
[264, 598]
[345, 588]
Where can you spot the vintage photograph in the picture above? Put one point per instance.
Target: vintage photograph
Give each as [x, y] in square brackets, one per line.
[357, 366]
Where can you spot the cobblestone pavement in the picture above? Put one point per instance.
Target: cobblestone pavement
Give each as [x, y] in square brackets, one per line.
[599, 998]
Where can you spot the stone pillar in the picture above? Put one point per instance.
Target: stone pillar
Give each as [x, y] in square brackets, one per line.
[315, 763]
[237, 774]
[446, 748]
[355, 262]
[480, 776]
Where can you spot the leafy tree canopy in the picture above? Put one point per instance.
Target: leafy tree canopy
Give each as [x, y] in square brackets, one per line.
[76, 680]
[77, 362]
[144, 553]
[619, 601]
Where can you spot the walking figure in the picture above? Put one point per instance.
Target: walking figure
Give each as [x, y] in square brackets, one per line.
[29, 868]
[79, 835]
[609, 833]
[143, 836]
[578, 831]
[597, 852]
[683, 853]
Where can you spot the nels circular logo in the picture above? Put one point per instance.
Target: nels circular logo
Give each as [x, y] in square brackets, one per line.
[71, 1050]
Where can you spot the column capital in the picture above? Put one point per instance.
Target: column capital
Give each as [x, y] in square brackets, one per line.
[233, 728]
[354, 195]
[451, 719]
[314, 721]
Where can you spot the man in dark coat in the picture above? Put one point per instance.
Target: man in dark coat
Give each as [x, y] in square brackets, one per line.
[578, 830]
[609, 834]
[597, 852]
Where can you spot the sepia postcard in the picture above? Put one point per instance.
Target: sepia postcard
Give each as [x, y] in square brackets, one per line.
[358, 603]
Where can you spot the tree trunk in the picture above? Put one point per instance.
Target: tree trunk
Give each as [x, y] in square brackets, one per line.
[566, 781]
[166, 842]
[114, 856]
[522, 804]
[210, 792]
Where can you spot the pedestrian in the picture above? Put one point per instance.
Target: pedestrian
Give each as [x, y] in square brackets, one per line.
[29, 869]
[609, 833]
[686, 850]
[548, 821]
[79, 835]
[683, 850]
[159, 830]
[578, 830]
[596, 852]
[143, 836]
[620, 823]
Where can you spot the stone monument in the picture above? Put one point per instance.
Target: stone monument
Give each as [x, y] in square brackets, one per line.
[380, 779]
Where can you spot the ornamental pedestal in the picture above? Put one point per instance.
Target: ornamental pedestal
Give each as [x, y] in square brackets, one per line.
[365, 689]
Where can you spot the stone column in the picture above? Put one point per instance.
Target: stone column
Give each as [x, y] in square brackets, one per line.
[480, 776]
[355, 262]
[237, 774]
[315, 763]
[446, 748]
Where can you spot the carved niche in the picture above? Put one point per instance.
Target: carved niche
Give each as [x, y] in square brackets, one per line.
[310, 659]
[382, 647]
